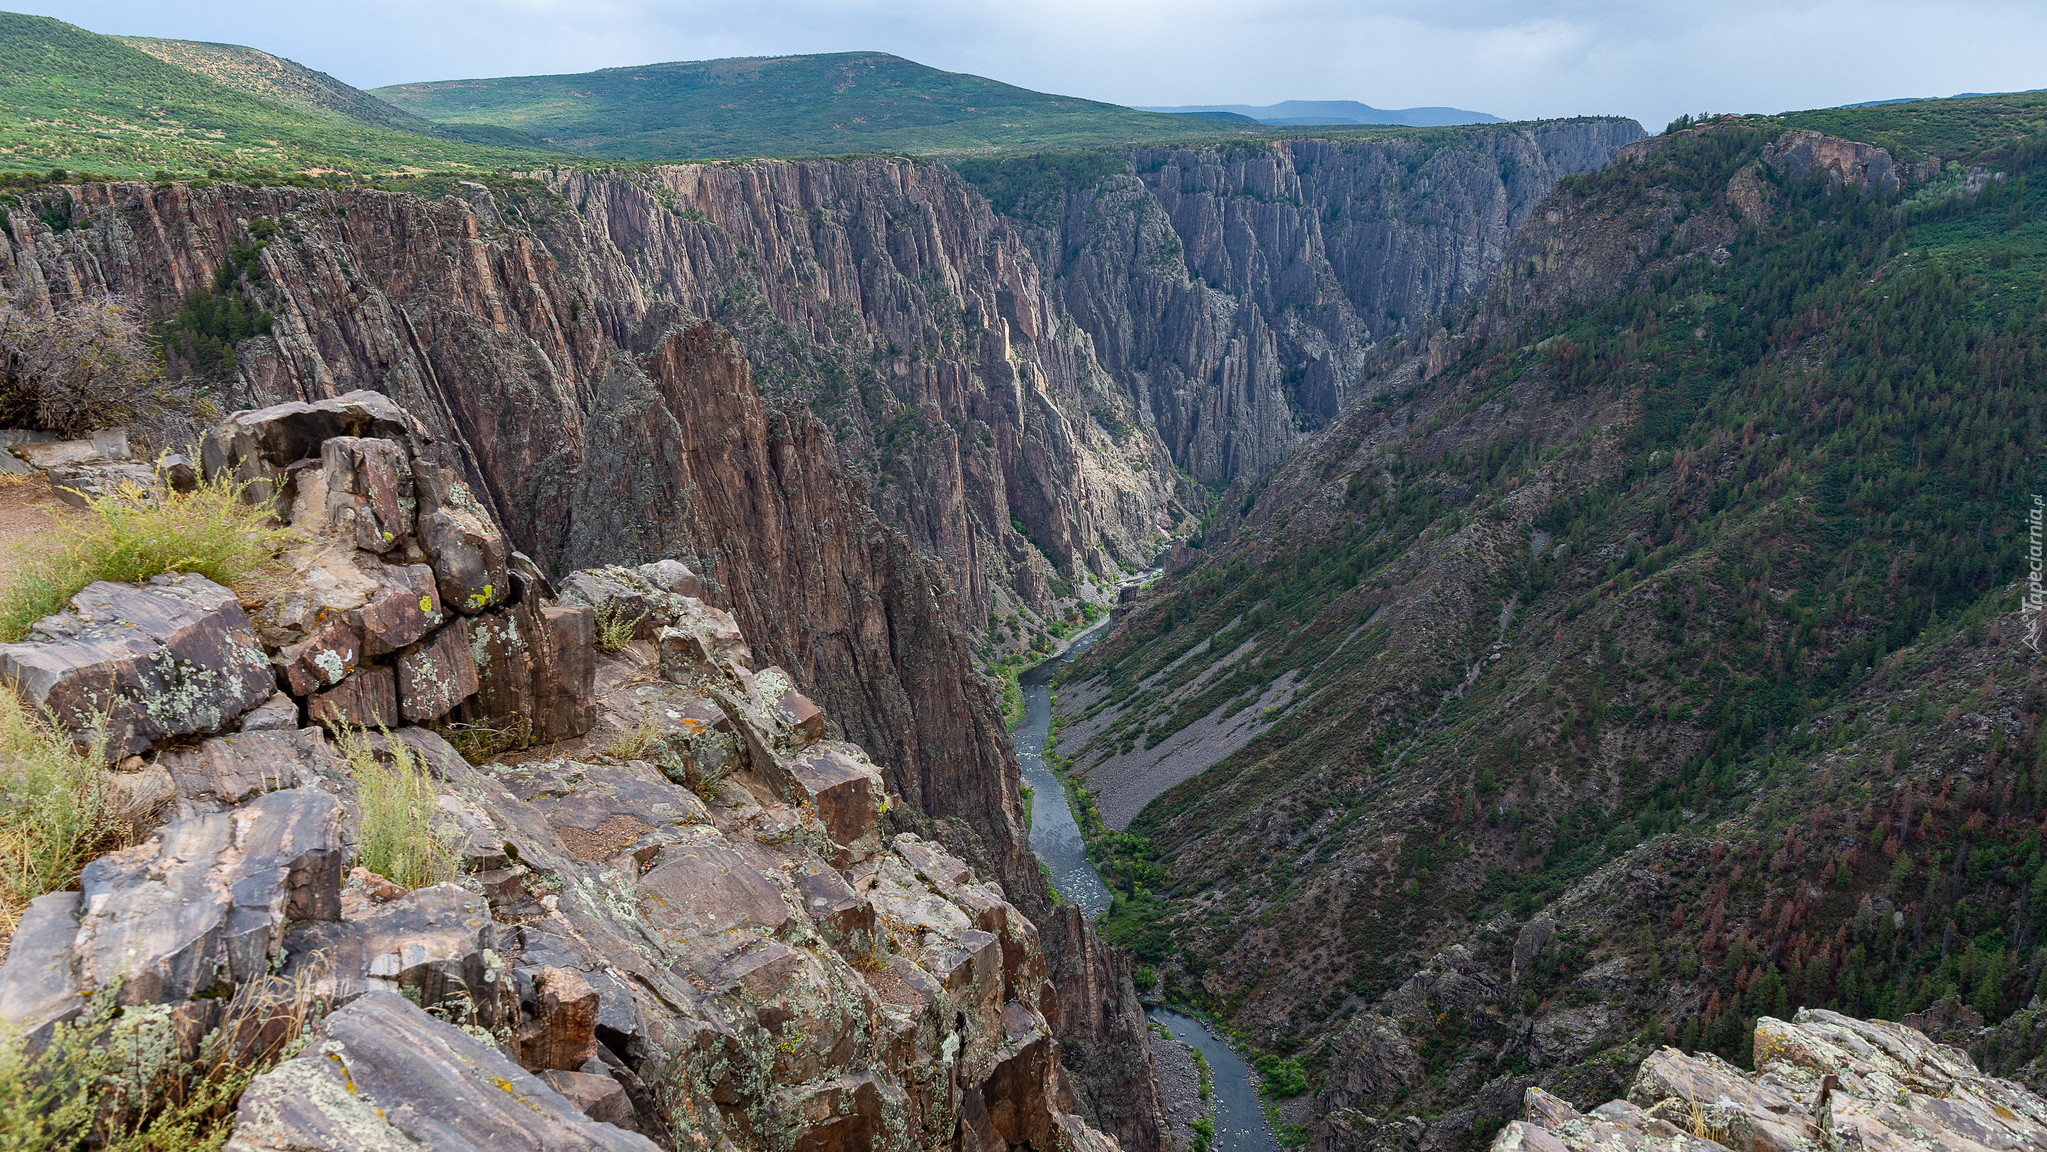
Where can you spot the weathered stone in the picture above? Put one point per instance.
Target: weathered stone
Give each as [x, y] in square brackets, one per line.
[228, 770]
[105, 446]
[171, 657]
[937, 865]
[204, 901]
[280, 713]
[1823, 1080]
[468, 555]
[323, 659]
[595, 1095]
[601, 810]
[536, 668]
[524, 569]
[847, 792]
[367, 699]
[436, 674]
[841, 916]
[562, 1033]
[177, 472]
[708, 893]
[1529, 943]
[80, 484]
[406, 607]
[368, 491]
[384, 1075]
[258, 446]
[435, 945]
[37, 987]
[804, 718]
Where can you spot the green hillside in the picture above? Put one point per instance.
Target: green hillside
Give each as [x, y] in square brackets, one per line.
[786, 106]
[1695, 576]
[75, 99]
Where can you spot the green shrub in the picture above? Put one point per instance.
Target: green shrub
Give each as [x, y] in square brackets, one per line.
[1282, 1076]
[52, 806]
[114, 1081]
[212, 531]
[406, 838]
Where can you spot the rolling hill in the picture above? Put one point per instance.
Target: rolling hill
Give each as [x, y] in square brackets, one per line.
[785, 106]
[76, 99]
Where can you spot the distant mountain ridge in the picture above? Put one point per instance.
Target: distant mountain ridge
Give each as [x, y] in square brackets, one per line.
[1302, 113]
[826, 104]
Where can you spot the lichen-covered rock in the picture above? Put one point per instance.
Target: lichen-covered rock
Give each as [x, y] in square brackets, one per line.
[436, 674]
[383, 1075]
[1822, 1081]
[468, 555]
[367, 490]
[323, 659]
[406, 606]
[844, 788]
[535, 670]
[368, 698]
[174, 656]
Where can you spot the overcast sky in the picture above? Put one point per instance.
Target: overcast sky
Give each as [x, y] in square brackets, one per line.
[1650, 59]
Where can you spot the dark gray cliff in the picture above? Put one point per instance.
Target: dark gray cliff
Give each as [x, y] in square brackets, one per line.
[1241, 295]
[589, 453]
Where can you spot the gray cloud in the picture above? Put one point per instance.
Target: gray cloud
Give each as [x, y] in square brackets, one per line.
[1650, 59]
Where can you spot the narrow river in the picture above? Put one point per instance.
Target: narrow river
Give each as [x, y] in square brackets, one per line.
[1055, 836]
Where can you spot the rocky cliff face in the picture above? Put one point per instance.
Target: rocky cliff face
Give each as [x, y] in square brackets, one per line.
[678, 916]
[1243, 296]
[589, 454]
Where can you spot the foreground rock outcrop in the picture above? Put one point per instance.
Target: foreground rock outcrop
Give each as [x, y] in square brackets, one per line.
[677, 916]
[1822, 1081]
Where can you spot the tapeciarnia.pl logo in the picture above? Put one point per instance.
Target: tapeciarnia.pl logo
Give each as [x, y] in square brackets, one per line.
[2036, 592]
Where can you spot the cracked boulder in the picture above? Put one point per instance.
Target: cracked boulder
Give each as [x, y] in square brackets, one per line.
[260, 445]
[202, 904]
[437, 946]
[436, 674]
[381, 1074]
[173, 656]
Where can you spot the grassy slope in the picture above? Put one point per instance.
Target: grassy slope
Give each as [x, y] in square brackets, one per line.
[1783, 496]
[75, 99]
[786, 106]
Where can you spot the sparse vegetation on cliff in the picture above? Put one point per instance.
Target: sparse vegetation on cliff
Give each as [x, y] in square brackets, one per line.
[213, 530]
[53, 817]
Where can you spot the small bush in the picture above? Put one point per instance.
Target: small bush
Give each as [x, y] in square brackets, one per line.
[406, 838]
[614, 629]
[86, 366]
[52, 806]
[113, 1080]
[212, 531]
[634, 743]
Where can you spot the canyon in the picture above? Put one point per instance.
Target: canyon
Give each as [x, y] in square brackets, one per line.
[869, 409]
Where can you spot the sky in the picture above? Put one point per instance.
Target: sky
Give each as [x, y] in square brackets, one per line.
[1649, 59]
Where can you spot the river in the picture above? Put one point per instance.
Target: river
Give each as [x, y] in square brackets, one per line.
[1055, 836]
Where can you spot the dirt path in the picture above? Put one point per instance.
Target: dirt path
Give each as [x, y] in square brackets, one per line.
[26, 509]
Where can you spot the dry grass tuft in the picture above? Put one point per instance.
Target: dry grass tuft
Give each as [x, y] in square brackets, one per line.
[53, 817]
[405, 837]
[134, 535]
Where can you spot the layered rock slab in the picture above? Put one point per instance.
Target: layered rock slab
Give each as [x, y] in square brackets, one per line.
[174, 656]
[382, 1074]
